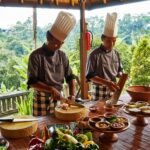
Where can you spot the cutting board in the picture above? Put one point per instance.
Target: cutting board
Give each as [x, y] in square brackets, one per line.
[73, 113]
[18, 129]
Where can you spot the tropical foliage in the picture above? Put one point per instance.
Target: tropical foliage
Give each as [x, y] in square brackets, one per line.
[16, 43]
[140, 68]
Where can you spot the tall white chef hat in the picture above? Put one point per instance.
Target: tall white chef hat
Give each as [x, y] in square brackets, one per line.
[62, 26]
[110, 28]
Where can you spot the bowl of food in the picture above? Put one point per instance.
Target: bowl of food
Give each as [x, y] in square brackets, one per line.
[122, 120]
[141, 103]
[102, 125]
[93, 108]
[145, 110]
[131, 105]
[110, 117]
[117, 126]
[94, 120]
[134, 110]
[139, 93]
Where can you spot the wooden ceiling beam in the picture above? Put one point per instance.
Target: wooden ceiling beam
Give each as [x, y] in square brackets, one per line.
[72, 4]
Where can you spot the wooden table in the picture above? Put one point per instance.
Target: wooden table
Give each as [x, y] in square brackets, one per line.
[134, 138]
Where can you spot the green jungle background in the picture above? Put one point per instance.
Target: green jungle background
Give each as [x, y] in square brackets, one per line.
[133, 44]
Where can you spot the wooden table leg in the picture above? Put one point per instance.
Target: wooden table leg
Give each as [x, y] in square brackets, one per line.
[111, 137]
[140, 121]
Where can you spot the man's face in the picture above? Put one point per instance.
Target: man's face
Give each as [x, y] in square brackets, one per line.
[109, 42]
[54, 44]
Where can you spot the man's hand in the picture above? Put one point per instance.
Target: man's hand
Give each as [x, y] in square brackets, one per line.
[71, 98]
[55, 94]
[113, 86]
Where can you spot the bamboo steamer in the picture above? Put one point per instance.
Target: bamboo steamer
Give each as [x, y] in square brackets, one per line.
[18, 129]
[74, 113]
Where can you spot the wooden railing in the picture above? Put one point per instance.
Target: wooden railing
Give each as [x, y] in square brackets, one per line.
[8, 102]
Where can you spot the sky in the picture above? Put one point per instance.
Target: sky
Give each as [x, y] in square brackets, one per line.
[10, 15]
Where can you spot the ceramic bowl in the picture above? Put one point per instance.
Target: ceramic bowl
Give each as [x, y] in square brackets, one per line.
[139, 93]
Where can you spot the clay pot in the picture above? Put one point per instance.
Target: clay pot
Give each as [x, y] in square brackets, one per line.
[139, 93]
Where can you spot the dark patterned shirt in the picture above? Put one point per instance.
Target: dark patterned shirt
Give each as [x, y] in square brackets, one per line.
[49, 67]
[104, 64]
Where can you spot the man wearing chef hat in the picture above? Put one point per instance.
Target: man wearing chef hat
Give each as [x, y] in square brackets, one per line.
[103, 65]
[48, 66]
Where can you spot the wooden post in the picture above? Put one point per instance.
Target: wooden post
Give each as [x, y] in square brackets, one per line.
[34, 27]
[83, 53]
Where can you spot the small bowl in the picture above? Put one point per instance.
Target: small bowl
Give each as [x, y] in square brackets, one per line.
[137, 93]
[134, 110]
[102, 125]
[93, 108]
[117, 126]
[85, 119]
[94, 120]
[145, 110]
[131, 105]
[109, 114]
[122, 120]
[141, 103]
[109, 108]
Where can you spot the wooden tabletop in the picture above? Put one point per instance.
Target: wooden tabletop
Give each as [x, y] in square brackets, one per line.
[134, 138]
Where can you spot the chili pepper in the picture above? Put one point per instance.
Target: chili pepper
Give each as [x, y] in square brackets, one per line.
[35, 141]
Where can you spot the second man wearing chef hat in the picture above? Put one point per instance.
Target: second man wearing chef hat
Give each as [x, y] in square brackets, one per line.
[48, 66]
[103, 65]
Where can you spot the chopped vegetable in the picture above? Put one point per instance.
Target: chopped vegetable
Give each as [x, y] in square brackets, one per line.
[3, 148]
[50, 144]
[81, 138]
[64, 139]
[79, 146]
[89, 135]
[35, 141]
[92, 147]
[70, 139]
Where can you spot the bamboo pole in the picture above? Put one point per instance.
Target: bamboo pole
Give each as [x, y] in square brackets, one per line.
[35, 27]
[41, 2]
[22, 1]
[83, 53]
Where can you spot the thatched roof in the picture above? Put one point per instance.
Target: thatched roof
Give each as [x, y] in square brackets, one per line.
[70, 4]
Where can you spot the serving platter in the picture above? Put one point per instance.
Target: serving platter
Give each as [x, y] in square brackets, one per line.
[109, 134]
[137, 111]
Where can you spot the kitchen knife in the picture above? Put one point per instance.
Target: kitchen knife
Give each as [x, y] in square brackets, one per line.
[69, 102]
[18, 119]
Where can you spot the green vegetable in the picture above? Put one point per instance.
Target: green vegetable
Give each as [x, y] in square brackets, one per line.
[81, 138]
[89, 135]
[70, 138]
[112, 119]
[65, 145]
[78, 146]
[67, 137]
[59, 132]
[66, 131]
[3, 148]
[93, 147]
[50, 144]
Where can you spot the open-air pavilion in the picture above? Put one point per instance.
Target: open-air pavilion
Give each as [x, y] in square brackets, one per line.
[136, 137]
